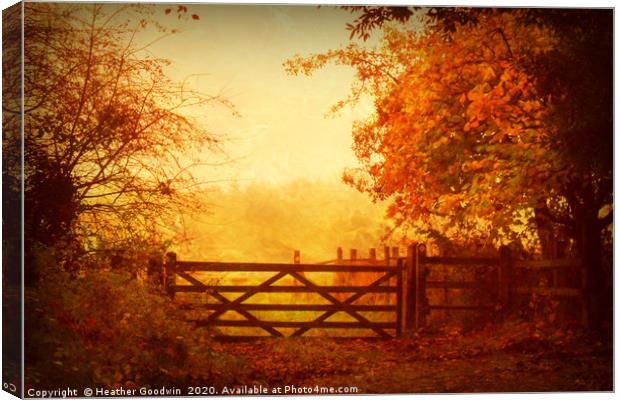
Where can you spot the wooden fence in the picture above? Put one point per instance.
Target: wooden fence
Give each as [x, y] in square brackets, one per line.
[505, 287]
[404, 279]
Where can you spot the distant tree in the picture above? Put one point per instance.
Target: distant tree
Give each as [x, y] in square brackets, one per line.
[487, 119]
[109, 139]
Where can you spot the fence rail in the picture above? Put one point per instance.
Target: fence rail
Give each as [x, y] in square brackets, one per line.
[505, 286]
[185, 269]
[294, 307]
[404, 277]
[283, 289]
[198, 266]
[557, 263]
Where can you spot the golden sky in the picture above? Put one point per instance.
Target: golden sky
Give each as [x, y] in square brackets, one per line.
[283, 133]
[288, 155]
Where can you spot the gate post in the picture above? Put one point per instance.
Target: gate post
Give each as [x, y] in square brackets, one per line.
[420, 290]
[155, 270]
[409, 297]
[414, 287]
[170, 277]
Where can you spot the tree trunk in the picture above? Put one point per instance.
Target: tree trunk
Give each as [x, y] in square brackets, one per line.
[545, 234]
[600, 293]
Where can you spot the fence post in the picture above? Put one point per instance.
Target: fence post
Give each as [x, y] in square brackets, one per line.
[505, 277]
[400, 305]
[372, 254]
[409, 297]
[339, 255]
[155, 270]
[584, 296]
[394, 252]
[169, 276]
[386, 255]
[296, 257]
[420, 290]
[353, 254]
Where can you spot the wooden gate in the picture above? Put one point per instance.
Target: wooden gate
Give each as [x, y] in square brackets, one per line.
[389, 280]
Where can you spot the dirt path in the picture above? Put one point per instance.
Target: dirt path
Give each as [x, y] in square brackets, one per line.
[496, 360]
[494, 373]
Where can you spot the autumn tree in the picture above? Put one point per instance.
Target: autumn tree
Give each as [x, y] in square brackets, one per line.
[109, 138]
[480, 127]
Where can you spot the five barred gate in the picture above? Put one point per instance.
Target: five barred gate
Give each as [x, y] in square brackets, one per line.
[399, 287]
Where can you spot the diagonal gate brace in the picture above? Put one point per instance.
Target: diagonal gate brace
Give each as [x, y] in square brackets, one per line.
[344, 305]
[233, 305]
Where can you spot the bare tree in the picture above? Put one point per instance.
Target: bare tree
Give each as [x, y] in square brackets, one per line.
[110, 142]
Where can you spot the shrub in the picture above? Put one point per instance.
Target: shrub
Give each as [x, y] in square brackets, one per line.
[105, 329]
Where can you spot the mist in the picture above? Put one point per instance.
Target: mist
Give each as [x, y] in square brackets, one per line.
[266, 222]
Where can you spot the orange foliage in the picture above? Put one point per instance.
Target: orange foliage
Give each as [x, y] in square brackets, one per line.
[460, 139]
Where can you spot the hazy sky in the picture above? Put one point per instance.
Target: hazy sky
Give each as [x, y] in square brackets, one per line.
[282, 133]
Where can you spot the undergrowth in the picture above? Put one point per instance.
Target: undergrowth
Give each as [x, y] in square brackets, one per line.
[106, 329]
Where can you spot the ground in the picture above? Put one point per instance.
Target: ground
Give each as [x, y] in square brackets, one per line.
[516, 357]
